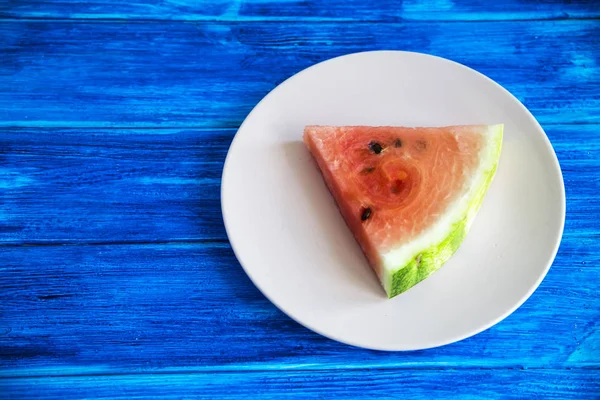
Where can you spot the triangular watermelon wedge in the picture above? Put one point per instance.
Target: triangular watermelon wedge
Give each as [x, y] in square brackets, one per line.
[409, 195]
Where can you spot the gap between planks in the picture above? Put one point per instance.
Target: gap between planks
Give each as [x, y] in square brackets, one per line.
[294, 20]
[206, 242]
[291, 368]
[202, 128]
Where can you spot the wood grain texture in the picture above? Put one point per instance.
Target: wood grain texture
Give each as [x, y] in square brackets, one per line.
[296, 10]
[77, 186]
[84, 74]
[189, 307]
[115, 124]
[160, 185]
[346, 384]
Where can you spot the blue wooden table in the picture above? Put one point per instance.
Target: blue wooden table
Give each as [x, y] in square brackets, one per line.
[116, 276]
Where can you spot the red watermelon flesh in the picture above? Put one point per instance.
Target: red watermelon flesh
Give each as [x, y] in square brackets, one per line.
[407, 194]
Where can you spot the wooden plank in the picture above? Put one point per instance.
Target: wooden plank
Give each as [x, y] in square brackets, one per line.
[99, 74]
[190, 307]
[344, 384]
[158, 185]
[74, 186]
[283, 10]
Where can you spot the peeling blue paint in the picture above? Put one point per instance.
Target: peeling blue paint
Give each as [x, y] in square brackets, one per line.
[12, 179]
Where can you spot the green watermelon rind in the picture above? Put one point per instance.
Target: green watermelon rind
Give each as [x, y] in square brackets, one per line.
[430, 259]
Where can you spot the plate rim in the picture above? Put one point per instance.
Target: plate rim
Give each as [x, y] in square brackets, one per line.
[457, 338]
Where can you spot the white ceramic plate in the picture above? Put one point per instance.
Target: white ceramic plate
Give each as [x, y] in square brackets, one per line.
[292, 242]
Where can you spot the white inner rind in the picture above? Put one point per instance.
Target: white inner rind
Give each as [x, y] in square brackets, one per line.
[464, 207]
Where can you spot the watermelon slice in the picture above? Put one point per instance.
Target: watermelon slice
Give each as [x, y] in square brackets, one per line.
[408, 195]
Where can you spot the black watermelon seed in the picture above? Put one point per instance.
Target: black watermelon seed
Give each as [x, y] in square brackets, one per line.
[397, 143]
[397, 186]
[366, 214]
[375, 147]
[367, 170]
